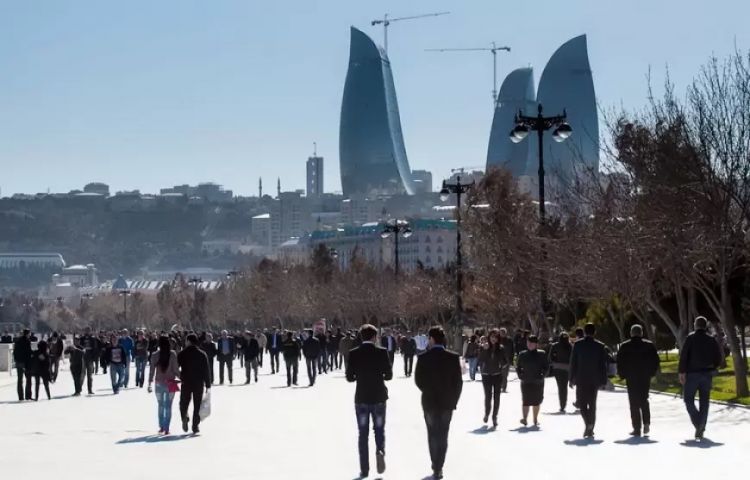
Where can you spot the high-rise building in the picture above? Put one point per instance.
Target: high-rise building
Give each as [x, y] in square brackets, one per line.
[422, 181]
[371, 145]
[566, 85]
[314, 176]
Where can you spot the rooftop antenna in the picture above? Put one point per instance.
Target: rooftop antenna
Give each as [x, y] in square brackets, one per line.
[315, 149]
[260, 187]
[387, 21]
[493, 49]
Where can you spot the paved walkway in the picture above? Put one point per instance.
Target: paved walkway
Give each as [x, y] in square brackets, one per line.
[267, 431]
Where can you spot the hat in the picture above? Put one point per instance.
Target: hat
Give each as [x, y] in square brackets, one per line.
[533, 339]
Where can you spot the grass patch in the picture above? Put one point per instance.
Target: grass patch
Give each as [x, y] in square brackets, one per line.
[668, 381]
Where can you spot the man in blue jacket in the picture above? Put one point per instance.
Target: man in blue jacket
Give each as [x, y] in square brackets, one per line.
[127, 344]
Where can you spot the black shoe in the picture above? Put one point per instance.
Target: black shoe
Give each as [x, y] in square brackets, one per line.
[486, 418]
[494, 422]
[699, 433]
[646, 429]
[363, 474]
[437, 474]
[380, 459]
[185, 421]
[524, 422]
[635, 433]
[196, 430]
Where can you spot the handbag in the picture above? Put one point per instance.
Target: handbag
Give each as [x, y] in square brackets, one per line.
[205, 410]
[173, 386]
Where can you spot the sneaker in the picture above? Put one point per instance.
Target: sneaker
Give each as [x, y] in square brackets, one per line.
[185, 421]
[646, 429]
[380, 459]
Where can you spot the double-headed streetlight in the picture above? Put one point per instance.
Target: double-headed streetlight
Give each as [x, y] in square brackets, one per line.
[396, 228]
[457, 189]
[540, 124]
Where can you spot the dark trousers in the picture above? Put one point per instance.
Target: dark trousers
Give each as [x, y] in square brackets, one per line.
[562, 377]
[438, 423]
[90, 365]
[292, 369]
[194, 393]
[275, 361]
[77, 373]
[333, 359]
[391, 356]
[211, 367]
[699, 383]
[323, 362]
[491, 384]
[54, 368]
[260, 358]
[364, 411]
[586, 400]
[640, 411]
[251, 366]
[312, 369]
[408, 364]
[504, 382]
[225, 360]
[41, 379]
[23, 372]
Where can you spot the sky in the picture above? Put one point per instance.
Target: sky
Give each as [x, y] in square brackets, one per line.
[147, 94]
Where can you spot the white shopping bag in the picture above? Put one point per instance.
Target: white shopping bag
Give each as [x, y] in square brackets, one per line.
[205, 410]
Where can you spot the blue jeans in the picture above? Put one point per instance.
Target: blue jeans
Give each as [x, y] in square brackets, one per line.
[473, 362]
[364, 412]
[116, 374]
[699, 383]
[164, 405]
[140, 371]
[126, 372]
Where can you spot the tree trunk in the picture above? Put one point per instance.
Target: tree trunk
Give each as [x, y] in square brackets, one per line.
[730, 330]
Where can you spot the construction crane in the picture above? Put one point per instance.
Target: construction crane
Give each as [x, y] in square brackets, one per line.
[387, 21]
[493, 49]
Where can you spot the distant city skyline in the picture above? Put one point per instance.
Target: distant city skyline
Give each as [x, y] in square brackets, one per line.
[146, 95]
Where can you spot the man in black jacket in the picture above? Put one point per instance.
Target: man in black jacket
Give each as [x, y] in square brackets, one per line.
[700, 359]
[311, 350]
[22, 358]
[291, 350]
[408, 350]
[274, 349]
[370, 367]
[637, 362]
[389, 343]
[91, 352]
[588, 373]
[251, 351]
[559, 360]
[195, 374]
[76, 355]
[225, 349]
[438, 376]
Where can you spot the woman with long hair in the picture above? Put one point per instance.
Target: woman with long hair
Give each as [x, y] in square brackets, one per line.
[492, 358]
[41, 368]
[164, 369]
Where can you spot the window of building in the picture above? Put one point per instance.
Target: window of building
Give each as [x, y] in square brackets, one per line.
[427, 249]
[427, 239]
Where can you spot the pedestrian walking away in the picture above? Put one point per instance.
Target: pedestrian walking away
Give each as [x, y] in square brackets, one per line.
[370, 367]
[588, 373]
[559, 359]
[438, 376]
[22, 358]
[195, 374]
[164, 372]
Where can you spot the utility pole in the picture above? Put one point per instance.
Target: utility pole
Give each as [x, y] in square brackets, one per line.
[386, 22]
[493, 49]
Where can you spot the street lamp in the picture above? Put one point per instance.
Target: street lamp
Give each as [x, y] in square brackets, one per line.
[458, 189]
[562, 131]
[396, 228]
[125, 293]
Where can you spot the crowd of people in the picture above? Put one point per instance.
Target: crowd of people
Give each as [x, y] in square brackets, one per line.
[184, 362]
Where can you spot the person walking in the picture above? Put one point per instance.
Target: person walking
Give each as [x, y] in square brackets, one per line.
[588, 373]
[291, 349]
[370, 367]
[532, 368]
[322, 357]
[274, 349]
[408, 349]
[311, 351]
[195, 374]
[141, 357]
[347, 343]
[700, 359]
[40, 366]
[438, 376]
[225, 353]
[22, 358]
[77, 365]
[389, 343]
[471, 355]
[91, 348]
[262, 342]
[128, 344]
[209, 348]
[637, 362]
[164, 371]
[492, 360]
[251, 352]
[510, 353]
[116, 358]
[559, 359]
[56, 347]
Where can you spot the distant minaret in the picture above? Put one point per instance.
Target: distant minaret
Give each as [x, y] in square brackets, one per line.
[260, 187]
[278, 186]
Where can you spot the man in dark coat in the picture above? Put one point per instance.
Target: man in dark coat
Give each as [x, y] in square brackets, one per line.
[311, 350]
[438, 376]
[408, 350]
[195, 374]
[251, 351]
[274, 349]
[588, 373]
[77, 365]
[637, 362]
[209, 348]
[559, 360]
[700, 359]
[225, 352]
[291, 351]
[92, 349]
[388, 342]
[22, 358]
[370, 367]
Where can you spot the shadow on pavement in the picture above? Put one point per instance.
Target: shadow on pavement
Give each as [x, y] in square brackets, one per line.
[483, 430]
[583, 442]
[705, 443]
[155, 439]
[636, 441]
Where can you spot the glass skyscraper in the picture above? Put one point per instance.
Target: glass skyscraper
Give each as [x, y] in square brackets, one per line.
[371, 146]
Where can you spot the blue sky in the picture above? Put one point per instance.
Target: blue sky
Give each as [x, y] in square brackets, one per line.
[151, 93]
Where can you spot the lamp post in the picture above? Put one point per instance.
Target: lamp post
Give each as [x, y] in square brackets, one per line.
[540, 124]
[125, 293]
[396, 228]
[458, 189]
